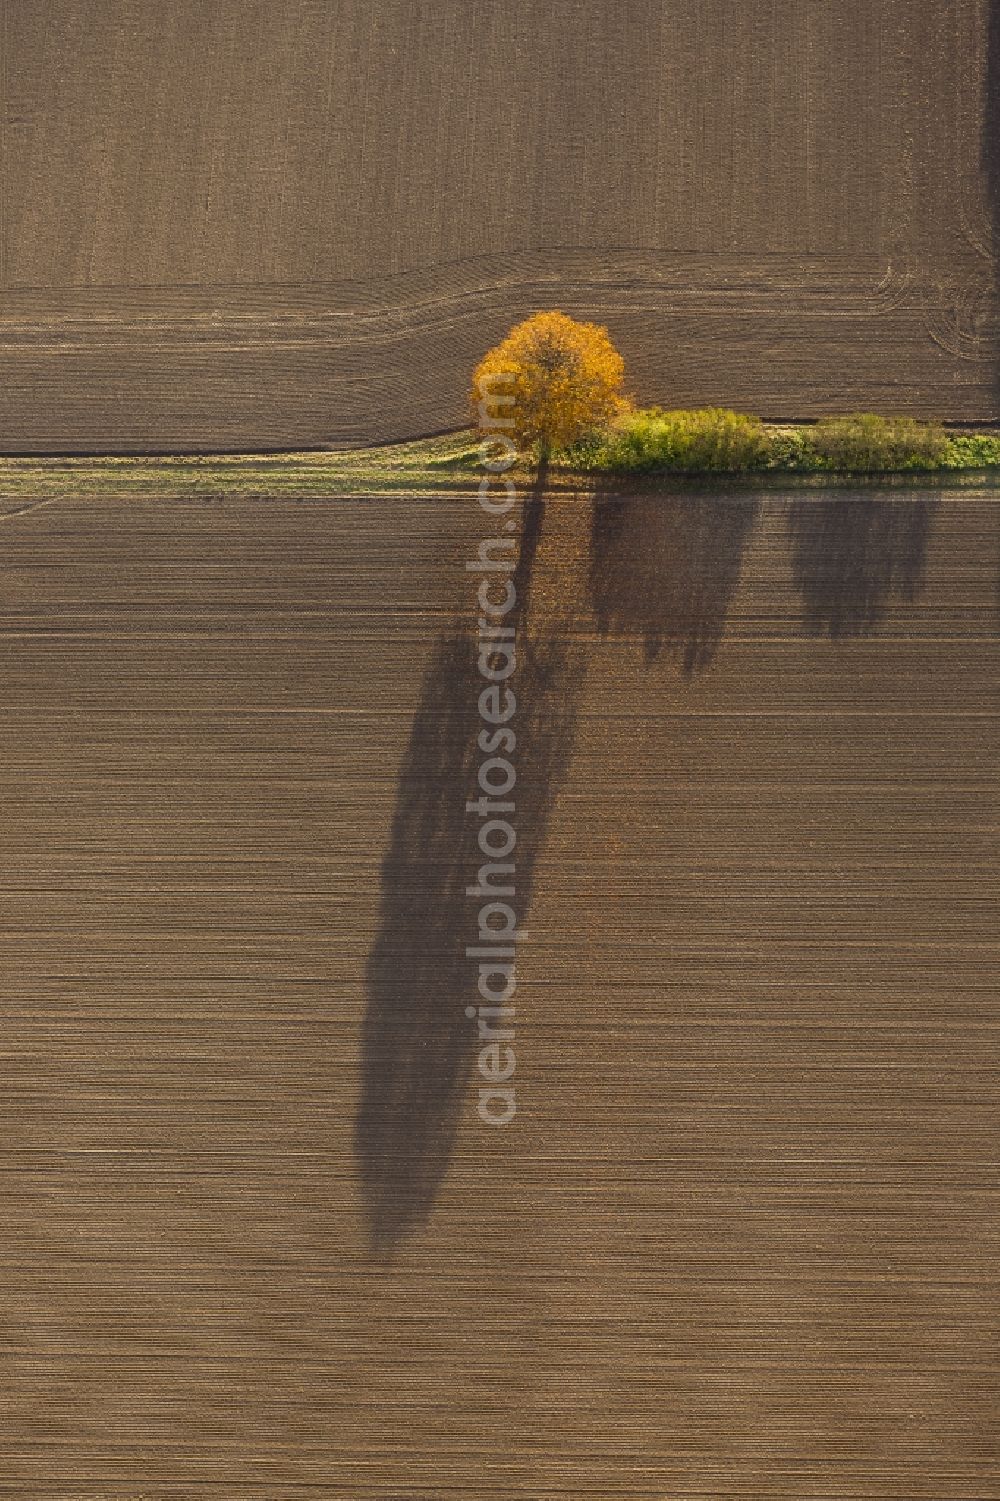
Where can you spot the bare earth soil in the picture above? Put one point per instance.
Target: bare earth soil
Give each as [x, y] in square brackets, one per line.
[246, 225]
[741, 1240]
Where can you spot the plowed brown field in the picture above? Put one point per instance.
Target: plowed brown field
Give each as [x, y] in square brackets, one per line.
[741, 1240]
[247, 224]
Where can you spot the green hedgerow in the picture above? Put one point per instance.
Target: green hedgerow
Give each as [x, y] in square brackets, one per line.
[973, 451]
[714, 440]
[709, 439]
[865, 442]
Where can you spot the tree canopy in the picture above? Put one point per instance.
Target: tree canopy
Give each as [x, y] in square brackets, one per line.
[552, 381]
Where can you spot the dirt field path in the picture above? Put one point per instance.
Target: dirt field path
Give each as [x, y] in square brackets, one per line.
[740, 1240]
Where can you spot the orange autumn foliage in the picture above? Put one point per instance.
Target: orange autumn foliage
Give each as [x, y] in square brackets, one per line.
[565, 379]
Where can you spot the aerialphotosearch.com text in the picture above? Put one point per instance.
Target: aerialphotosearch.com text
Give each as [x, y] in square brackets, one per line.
[495, 952]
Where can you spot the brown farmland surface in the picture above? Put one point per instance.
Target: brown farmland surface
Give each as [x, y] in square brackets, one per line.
[741, 1240]
[246, 224]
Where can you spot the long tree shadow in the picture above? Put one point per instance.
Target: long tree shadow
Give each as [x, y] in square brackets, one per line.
[418, 1046]
[664, 568]
[853, 555]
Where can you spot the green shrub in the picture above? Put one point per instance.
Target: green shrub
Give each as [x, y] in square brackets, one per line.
[716, 441]
[973, 451]
[865, 442]
[790, 448]
[710, 439]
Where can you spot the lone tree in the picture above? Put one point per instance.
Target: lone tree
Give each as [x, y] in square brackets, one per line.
[565, 379]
